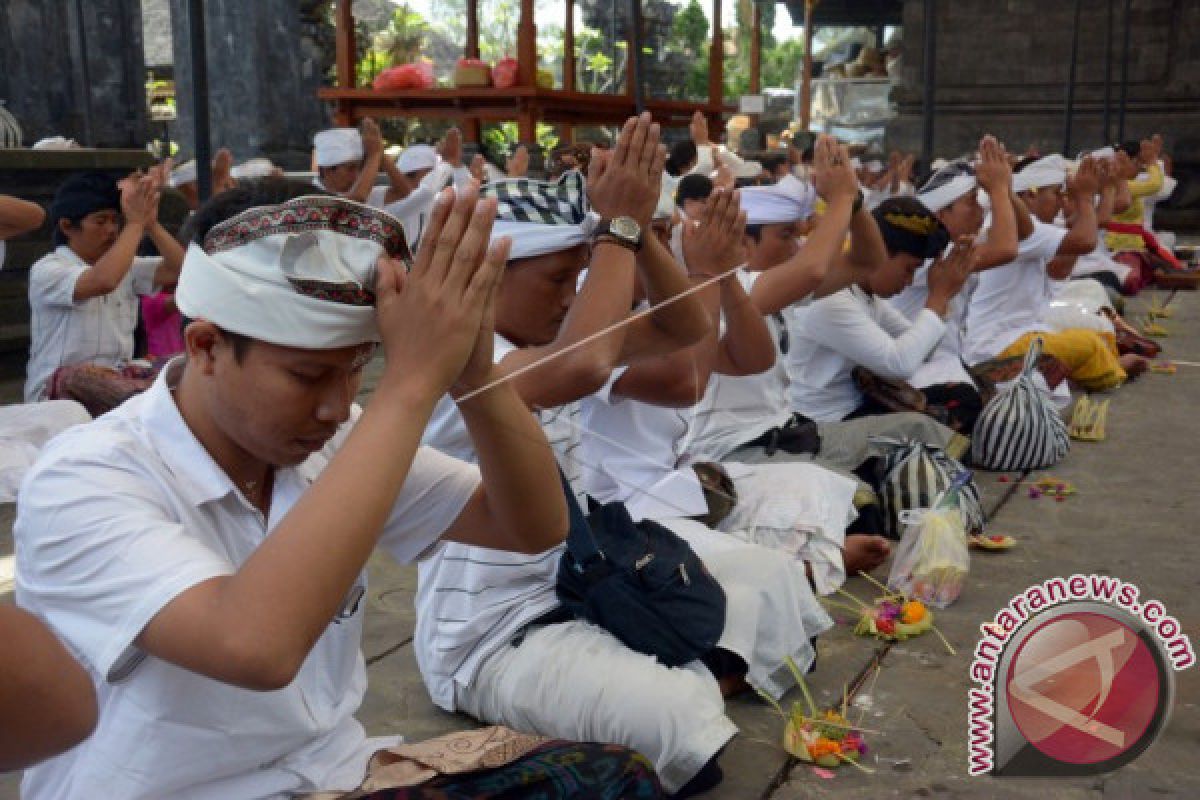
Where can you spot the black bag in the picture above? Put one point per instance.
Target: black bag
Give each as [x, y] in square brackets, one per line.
[641, 583]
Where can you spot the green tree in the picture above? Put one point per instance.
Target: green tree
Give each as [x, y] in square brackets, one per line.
[691, 28]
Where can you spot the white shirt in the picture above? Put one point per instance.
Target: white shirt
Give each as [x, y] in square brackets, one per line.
[1009, 300]
[737, 409]
[470, 600]
[98, 330]
[637, 453]
[413, 210]
[847, 329]
[944, 364]
[119, 517]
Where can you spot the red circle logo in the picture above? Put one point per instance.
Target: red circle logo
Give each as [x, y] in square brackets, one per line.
[1083, 688]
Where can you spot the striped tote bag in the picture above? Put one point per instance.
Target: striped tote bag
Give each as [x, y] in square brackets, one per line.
[913, 475]
[1020, 428]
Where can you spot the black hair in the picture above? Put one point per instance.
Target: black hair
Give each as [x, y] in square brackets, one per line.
[682, 154]
[754, 232]
[57, 236]
[1132, 148]
[693, 187]
[81, 194]
[1024, 162]
[269, 191]
[907, 226]
[773, 161]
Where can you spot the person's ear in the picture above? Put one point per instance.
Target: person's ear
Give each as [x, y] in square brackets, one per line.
[202, 340]
[65, 227]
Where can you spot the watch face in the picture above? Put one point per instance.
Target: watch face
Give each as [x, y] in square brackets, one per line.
[626, 228]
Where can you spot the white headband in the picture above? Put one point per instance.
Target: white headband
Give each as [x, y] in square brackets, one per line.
[254, 168]
[416, 157]
[530, 239]
[945, 194]
[1050, 170]
[338, 146]
[300, 274]
[789, 200]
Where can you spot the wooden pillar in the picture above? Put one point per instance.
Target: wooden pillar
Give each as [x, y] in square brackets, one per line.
[568, 83]
[756, 48]
[472, 46]
[527, 118]
[345, 59]
[717, 67]
[472, 132]
[806, 86]
[527, 47]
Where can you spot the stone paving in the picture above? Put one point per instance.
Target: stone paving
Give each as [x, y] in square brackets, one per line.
[1134, 518]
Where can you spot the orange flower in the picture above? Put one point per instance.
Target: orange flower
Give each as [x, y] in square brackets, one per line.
[824, 747]
[913, 612]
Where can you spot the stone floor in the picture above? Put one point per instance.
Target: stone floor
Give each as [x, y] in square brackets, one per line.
[1134, 517]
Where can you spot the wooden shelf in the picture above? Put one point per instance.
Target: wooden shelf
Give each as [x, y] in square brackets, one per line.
[525, 103]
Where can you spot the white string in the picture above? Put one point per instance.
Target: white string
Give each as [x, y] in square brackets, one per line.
[593, 337]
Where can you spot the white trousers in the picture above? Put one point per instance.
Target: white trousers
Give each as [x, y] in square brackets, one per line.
[576, 681]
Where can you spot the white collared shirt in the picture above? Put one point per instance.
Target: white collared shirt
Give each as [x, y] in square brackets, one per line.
[637, 453]
[118, 518]
[98, 330]
[944, 364]
[471, 600]
[848, 329]
[1009, 300]
[737, 409]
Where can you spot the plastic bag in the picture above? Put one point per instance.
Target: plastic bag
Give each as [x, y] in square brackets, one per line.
[931, 561]
[504, 74]
[417, 75]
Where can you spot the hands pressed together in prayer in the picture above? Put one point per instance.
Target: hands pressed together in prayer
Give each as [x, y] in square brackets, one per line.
[833, 174]
[993, 172]
[436, 321]
[713, 245]
[949, 274]
[1086, 182]
[625, 181]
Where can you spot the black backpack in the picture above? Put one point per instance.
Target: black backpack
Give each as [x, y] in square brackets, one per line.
[641, 583]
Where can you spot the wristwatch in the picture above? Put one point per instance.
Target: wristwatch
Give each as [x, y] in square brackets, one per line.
[620, 230]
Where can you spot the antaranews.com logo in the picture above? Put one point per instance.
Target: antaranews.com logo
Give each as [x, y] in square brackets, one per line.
[1076, 676]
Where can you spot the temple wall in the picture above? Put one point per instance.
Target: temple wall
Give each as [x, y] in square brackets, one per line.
[82, 81]
[1002, 68]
